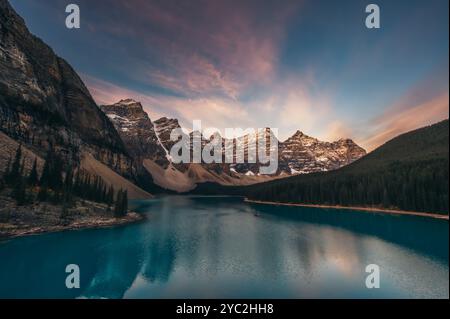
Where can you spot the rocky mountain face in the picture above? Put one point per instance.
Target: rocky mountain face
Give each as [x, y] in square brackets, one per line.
[299, 154]
[164, 127]
[250, 143]
[43, 101]
[44, 104]
[136, 130]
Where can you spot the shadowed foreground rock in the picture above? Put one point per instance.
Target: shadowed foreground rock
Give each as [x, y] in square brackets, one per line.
[45, 217]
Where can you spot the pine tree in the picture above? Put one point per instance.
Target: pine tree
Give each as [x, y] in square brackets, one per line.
[68, 180]
[104, 190]
[14, 173]
[97, 189]
[22, 167]
[121, 204]
[43, 194]
[76, 185]
[45, 177]
[118, 204]
[7, 172]
[33, 176]
[19, 191]
[110, 196]
[68, 186]
[56, 179]
[52, 172]
[124, 202]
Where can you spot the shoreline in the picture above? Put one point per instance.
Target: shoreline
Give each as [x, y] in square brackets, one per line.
[44, 217]
[365, 209]
[102, 222]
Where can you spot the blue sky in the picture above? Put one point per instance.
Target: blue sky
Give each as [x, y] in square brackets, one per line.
[293, 65]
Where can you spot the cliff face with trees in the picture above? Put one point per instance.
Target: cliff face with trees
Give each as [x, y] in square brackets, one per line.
[410, 172]
[44, 103]
[58, 185]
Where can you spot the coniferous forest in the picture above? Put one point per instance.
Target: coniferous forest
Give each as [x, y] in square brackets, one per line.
[58, 184]
[409, 172]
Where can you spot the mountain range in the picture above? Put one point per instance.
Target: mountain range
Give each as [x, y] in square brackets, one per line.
[149, 143]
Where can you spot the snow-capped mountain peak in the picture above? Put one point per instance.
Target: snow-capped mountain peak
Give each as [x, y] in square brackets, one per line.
[299, 154]
[136, 130]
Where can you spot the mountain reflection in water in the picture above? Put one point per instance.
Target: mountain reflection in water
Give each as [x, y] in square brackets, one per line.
[210, 247]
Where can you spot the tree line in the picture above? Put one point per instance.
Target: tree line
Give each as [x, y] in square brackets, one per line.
[419, 187]
[59, 184]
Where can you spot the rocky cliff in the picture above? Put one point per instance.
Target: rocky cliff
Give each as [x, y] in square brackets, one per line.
[43, 101]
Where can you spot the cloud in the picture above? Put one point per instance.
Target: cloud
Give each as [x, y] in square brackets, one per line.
[336, 130]
[392, 124]
[200, 48]
[425, 103]
[253, 63]
[212, 112]
[105, 93]
[290, 104]
[222, 62]
[287, 107]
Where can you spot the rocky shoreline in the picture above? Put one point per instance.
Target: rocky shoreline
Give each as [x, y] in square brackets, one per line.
[17, 221]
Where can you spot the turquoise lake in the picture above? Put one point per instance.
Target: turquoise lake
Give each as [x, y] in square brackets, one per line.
[222, 247]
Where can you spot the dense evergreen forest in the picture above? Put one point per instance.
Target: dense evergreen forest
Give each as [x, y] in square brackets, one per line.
[58, 185]
[409, 172]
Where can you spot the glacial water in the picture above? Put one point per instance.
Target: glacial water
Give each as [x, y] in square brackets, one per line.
[219, 247]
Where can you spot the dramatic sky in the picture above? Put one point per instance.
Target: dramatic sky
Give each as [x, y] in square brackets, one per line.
[293, 65]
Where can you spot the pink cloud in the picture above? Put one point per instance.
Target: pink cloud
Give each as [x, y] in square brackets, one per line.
[206, 48]
[336, 130]
[288, 106]
[395, 122]
[219, 113]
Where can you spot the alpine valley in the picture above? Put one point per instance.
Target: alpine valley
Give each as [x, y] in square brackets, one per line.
[59, 148]
[46, 111]
[107, 188]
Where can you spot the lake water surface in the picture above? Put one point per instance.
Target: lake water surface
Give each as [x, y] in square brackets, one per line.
[219, 247]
